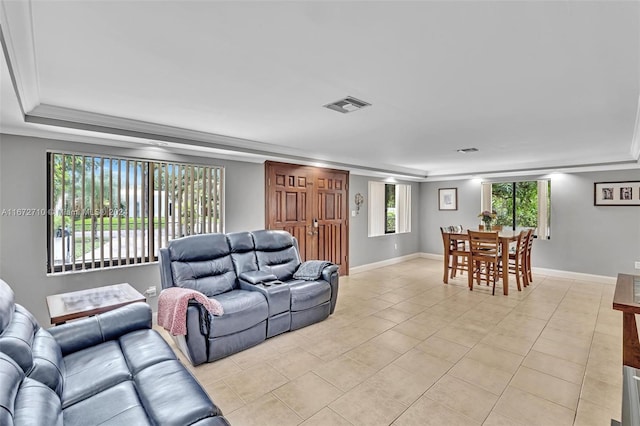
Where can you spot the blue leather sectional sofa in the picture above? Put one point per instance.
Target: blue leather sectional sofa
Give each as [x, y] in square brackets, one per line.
[110, 369]
[252, 274]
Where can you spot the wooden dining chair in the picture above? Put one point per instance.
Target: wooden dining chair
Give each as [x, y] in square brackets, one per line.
[458, 252]
[518, 260]
[528, 256]
[485, 259]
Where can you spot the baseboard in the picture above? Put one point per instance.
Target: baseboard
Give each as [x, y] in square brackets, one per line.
[376, 265]
[602, 279]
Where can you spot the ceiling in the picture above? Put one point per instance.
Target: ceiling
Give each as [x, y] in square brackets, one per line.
[533, 85]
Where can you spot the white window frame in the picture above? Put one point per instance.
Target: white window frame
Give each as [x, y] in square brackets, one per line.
[377, 208]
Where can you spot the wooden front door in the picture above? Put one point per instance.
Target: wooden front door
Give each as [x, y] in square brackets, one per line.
[311, 203]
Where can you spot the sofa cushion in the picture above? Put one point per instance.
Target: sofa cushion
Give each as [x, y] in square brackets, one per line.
[48, 365]
[117, 405]
[6, 305]
[198, 247]
[242, 252]
[209, 277]
[17, 338]
[172, 396]
[37, 404]
[24, 401]
[93, 370]
[307, 294]
[143, 348]
[242, 310]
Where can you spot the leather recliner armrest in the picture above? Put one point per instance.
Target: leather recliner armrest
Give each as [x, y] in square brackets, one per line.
[257, 277]
[326, 272]
[86, 332]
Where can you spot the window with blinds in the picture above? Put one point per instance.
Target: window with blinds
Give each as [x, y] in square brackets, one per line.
[107, 211]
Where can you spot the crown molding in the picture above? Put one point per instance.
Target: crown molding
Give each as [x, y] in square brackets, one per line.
[16, 34]
[146, 132]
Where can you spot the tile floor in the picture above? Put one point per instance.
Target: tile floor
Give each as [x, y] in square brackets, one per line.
[402, 348]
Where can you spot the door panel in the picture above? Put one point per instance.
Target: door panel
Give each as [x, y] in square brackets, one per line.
[296, 195]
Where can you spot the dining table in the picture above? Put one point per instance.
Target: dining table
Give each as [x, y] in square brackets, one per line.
[506, 237]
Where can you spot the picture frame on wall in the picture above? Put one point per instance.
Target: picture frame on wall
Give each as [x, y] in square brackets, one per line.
[448, 199]
[616, 193]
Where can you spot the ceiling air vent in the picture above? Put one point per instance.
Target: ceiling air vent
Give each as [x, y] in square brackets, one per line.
[348, 104]
[467, 150]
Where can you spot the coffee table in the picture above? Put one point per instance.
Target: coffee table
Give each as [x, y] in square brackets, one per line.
[83, 303]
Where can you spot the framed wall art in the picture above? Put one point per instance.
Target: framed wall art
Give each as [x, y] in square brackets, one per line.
[616, 193]
[448, 199]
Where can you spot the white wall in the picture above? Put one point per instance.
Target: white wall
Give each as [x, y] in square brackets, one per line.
[363, 249]
[23, 239]
[598, 240]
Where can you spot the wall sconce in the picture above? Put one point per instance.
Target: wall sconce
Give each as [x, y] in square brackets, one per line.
[359, 200]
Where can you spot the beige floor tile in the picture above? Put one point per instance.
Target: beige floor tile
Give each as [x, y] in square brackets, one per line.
[496, 419]
[367, 405]
[495, 357]
[393, 297]
[265, 411]
[590, 414]
[418, 330]
[409, 307]
[395, 315]
[532, 410]
[560, 368]
[344, 372]
[214, 371]
[460, 335]
[253, 383]
[225, 397]
[375, 323]
[602, 393]
[481, 375]
[427, 412]
[443, 349]
[537, 309]
[402, 385]
[548, 387]
[372, 355]
[503, 339]
[424, 364]
[326, 417]
[295, 363]
[463, 397]
[307, 394]
[395, 341]
[575, 354]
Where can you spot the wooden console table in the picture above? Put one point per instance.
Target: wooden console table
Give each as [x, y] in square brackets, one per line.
[627, 300]
[77, 304]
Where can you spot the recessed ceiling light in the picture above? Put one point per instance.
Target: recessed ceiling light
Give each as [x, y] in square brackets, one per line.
[466, 150]
[348, 104]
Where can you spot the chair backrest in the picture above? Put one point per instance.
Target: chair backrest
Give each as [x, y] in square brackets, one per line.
[30, 346]
[484, 246]
[200, 262]
[523, 241]
[24, 401]
[243, 251]
[277, 253]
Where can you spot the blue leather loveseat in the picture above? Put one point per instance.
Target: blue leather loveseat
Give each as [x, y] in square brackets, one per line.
[110, 369]
[254, 277]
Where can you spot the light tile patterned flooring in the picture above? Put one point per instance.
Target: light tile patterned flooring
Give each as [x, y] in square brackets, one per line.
[402, 348]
